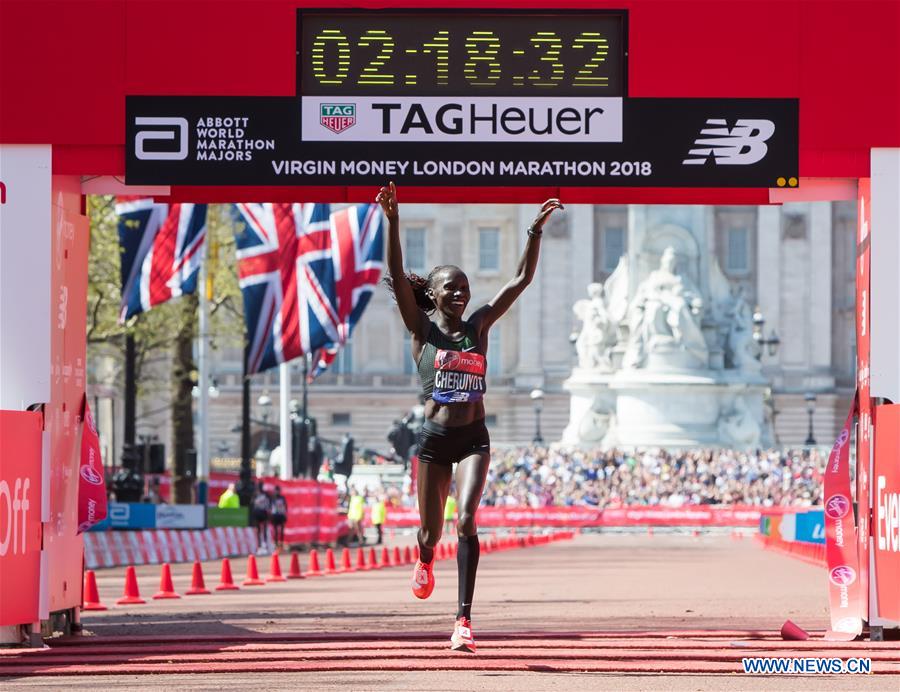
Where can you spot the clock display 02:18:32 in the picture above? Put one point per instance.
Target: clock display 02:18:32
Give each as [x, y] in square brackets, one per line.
[429, 54]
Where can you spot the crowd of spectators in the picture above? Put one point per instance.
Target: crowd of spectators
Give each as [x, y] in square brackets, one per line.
[540, 477]
[543, 477]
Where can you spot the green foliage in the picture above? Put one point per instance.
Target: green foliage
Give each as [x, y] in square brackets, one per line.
[156, 331]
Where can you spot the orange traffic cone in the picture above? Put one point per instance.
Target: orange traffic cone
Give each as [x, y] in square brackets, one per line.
[330, 567]
[91, 595]
[695, 534]
[132, 595]
[416, 552]
[487, 547]
[226, 581]
[361, 560]
[395, 556]
[345, 561]
[294, 570]
[407, 556]
[166, 590]
[385, 557]
[313, 570]
[373, 560]
[198, 586]
[252, 573]
[275, 569]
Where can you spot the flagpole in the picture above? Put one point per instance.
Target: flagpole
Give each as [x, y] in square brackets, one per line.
[287, 459]
[203, 379]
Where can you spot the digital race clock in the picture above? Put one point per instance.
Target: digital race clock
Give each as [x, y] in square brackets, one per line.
[461, 53]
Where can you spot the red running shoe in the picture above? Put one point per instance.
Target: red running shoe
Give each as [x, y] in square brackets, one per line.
[463, 639]
[423, 579]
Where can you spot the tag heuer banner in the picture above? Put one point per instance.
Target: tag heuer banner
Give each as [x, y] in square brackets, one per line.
[465, 141]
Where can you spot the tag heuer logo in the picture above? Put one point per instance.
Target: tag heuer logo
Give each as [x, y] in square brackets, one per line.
[337, 117]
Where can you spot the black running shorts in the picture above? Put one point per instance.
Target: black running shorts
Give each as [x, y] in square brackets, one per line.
[442, 445]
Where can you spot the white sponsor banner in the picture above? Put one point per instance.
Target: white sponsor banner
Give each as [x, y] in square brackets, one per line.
[463, 119]
[25, 266]
[180, 516]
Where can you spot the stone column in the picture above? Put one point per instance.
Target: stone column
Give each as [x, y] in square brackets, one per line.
[768, 279]
[581, 246]
[820, 295]
[531, 313]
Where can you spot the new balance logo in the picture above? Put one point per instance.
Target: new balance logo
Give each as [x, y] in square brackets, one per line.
[741, 145]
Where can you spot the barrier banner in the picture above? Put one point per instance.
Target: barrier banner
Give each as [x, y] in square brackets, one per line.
[791, 531]
[127, 515]
[227, 516]
[302, 504]
[20, 516]
[844, 586]
[327, 515]
[810, 527]
[863, 355]
[691, 515]
[180, 516]
[91, 484]
[119, 548]
[886, 514]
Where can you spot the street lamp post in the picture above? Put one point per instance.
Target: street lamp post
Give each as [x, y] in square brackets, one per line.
[810, 400]
[772, 342]
[264, 452]
[537, 396]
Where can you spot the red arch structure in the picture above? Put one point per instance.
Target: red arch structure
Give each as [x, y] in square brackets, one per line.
[66, 69]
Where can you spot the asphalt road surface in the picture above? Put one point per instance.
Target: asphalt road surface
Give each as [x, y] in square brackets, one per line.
[611, 612]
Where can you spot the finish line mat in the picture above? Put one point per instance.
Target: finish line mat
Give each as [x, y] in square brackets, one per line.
[676, 651]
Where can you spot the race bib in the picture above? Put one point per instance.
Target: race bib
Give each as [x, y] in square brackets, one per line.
[458, 377]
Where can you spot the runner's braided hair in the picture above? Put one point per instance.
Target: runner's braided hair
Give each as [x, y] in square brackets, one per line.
[419, 286]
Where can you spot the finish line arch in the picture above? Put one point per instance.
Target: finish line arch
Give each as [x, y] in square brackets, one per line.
[66, 70]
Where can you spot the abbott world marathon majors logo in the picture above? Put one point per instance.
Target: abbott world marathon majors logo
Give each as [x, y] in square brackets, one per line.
[216, 138]
[463, 119]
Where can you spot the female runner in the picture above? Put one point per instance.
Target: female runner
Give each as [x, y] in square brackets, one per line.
[450, 354]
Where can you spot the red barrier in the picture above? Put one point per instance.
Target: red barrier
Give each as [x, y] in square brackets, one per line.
[312, 506]
[886, 513]
[327, 513]
[20, 509]
[813, 553]
[691, 515]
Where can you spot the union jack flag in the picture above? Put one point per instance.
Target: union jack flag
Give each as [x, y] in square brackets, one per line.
[322, 360]
[306, 275]
[161, 252]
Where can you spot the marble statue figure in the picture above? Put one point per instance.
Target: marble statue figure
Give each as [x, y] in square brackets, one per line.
[664, 317]
[597, 333]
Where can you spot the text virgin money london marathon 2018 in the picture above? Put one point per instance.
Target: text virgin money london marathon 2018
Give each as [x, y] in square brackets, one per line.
[459, 168]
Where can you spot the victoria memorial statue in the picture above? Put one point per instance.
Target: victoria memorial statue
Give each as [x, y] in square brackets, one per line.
[665, 350]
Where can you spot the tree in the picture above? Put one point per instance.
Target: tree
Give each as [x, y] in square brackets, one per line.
[164, 336]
